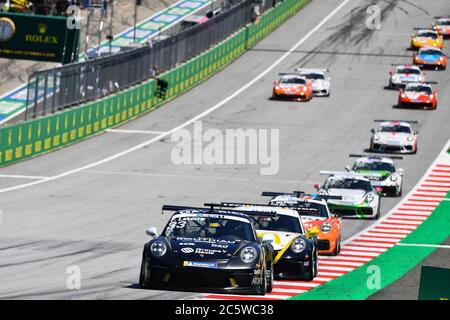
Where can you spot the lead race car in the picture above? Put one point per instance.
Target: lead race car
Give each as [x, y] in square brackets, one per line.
[404, 74]
[359, 199]
[321, 82]
[394, 136]
[314, 212]
[207, 249]
[292, 86]
[416, 95]
[295, 255]
[442, 26]
[390, 179]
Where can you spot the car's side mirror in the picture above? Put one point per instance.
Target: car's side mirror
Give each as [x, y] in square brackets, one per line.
[372, 130]
[347, 168]
[391, 73]
[268, 238]
[416, 132]
[317, 186]
[152, 232]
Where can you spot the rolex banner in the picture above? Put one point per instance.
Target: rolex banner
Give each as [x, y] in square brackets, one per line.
[36, 37]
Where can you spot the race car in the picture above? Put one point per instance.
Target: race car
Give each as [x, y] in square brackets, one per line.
[320, 81]
[394, 136]
[426, 37]
[206, 249]
[314, 212]
[292, 87]
[419, 94]
[387, 179]
[295, 255]
[404, 74]
[442, 26]
[430, 57]
[359, 197]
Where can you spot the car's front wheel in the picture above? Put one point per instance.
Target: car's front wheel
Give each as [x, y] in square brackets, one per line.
[142, 276]
[269, 279]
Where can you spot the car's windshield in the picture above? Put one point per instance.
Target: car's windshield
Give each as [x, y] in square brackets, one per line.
[311, 209]
[347, 183]
[292, 80]
[443, 23]
[314, 76]
[427, 34]
[431, 52]
[408, 71]
[280, 222]
[395, 128]
[418, 88]
[373, 166]
[216, 227]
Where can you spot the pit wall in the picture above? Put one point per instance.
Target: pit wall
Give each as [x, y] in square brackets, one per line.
[28, 139]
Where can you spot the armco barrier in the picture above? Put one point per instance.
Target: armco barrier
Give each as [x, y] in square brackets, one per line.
[24, 140]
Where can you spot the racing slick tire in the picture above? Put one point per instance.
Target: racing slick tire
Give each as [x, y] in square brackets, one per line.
[377, 216]
[399, 192]
[142, 282]
[262, 287]
[269, 280]
[337, 248]
[313, 267]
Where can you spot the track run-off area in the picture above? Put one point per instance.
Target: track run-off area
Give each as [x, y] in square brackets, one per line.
[89, 204]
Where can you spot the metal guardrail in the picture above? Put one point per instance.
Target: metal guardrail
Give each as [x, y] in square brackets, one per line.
[73, 84]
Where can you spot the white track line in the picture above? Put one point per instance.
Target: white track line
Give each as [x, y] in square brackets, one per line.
[424, 245]
[17, 176]
[135, 131]
[192, 120]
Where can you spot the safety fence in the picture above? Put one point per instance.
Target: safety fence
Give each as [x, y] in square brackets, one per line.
[49, 91]
[34, 137]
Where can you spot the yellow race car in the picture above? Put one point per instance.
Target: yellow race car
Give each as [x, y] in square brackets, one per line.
[426, 37]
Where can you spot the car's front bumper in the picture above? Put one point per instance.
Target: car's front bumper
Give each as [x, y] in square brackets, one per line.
[352, 211]
[382, 147]
[289, 267]
[244, 281]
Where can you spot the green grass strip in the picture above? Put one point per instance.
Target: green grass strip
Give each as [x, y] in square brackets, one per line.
[392, 264]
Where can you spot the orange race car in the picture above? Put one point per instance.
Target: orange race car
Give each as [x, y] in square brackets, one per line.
[425, 37]
[442, 26]
[315, 215]
[430, 57]
[292, 87]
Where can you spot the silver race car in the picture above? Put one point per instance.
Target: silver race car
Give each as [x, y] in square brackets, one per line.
[320, 81]
[394, 136]
[390, 179]
[404, 74]
[360, 199]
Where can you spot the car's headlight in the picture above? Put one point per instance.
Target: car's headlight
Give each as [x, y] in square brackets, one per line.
[410, 138]
[298, 245]
[370, 197]
[376, 137]
[248, 254]
[304, 89]
[322, 193]
[394, 177]
[158, 248]
[325, 227]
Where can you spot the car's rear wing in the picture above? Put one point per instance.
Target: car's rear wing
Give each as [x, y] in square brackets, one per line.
[424, 29]
[374, 156]
[300, 194]
[350, 175]
[311, 70]
[407, 121]
[290, 74]
[211, 208]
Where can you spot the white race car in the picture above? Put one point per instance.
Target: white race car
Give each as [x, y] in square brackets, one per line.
[321, 84]
[405, 74]
[360, 199]
[394, 137]
[390, 180]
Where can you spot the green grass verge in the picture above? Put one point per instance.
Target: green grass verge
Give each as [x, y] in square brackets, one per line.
[392, 264]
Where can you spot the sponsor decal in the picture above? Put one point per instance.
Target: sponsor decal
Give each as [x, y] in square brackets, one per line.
[198, 264]
[187, 250]
[203, 251]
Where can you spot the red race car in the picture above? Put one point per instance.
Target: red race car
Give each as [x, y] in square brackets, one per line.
[419, 94]
[292, 87]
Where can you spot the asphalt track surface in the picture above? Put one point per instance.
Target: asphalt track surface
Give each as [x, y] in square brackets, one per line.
[96, 218]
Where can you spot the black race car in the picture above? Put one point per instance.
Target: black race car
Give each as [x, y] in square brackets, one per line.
[206, 249]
